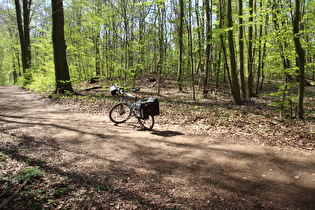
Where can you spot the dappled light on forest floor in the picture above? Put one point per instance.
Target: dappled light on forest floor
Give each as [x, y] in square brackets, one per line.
[259, 120]
[87, 162]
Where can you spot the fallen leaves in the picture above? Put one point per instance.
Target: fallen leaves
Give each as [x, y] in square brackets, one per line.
[216, 116]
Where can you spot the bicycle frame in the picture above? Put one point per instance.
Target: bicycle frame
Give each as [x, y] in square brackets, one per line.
[123, 101]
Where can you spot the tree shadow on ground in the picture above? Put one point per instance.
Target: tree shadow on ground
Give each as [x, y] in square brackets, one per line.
[166, 173]
[141, 170]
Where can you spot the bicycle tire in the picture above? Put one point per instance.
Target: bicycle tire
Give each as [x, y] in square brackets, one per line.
[120, 113]
[148, 123]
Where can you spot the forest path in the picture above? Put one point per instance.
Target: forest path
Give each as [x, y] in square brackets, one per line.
[158, 169]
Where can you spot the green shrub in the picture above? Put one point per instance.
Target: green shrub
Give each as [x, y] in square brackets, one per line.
[29, 173]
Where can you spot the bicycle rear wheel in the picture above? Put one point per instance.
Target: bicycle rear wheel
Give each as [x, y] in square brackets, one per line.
[148, 123]
[120, 113]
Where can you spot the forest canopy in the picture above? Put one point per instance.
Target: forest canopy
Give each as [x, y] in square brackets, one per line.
[198, 43]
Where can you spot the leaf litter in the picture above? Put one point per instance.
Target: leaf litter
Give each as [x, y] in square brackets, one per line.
[256, 122]
[216, 115]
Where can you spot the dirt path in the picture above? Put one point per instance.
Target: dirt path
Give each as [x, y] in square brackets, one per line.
[163, 169]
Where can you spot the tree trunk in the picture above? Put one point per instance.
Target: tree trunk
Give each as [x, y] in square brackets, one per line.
[261, 50]
[97, 55]
[250, 81]
[241, 47]
[24, 32]
[190, 37]
[26, 19]
[63, 83]
[224, 51]
[208, 45]
[97, 38]
[235, 88]
[160, 66]
[200, 26]
[301, 59]
[181, 45]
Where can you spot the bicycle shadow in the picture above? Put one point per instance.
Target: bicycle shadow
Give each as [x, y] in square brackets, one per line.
[167, 133]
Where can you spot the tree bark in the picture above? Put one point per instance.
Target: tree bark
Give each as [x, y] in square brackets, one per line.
[24, 32]
[208, 45]
[235, 88]
[224, 51]
[181, 45]
[26, 19]
[241, 47]
[62, 76]
[161, 63]
[190, 37]
[301, 59]
[261, 54]
[200, 26]
[97, 38]
[250, 80]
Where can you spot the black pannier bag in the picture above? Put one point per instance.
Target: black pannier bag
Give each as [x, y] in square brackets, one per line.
[113, 90]
[149, 107]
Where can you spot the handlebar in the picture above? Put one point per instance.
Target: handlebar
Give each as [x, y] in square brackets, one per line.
[116, 90]
[131, 96]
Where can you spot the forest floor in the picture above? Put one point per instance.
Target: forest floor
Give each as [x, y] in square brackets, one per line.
[202, 154]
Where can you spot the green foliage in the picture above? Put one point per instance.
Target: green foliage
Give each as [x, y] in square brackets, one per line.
[27, 78]
[125, 41]
[2, 157]
[100, 187]
[43, 82]
[28, 174]
[43, 71]
[38, 194]
[286, 98]
[60, 191]
[52, 202]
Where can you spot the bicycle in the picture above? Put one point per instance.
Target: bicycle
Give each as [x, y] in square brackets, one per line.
[143, 110]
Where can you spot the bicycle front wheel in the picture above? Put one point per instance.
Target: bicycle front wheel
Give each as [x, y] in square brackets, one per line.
[120, 113]
[148, 123]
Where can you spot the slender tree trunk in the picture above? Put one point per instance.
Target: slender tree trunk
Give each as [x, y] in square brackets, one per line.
[161, 20]
[127, 38]
[313, 61]
[224, 50]
[208, 45]
[301, 58]
[191, 50]
[263, 67]
[250, 81]
[241, 47]
[21, 32]
[261, 50]
[235, 88]
[97, 38]
[97, 55]
[26, 19]
[24, 32]
[218, 68]
[181, 45]
[200, 26]
[63, 83]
